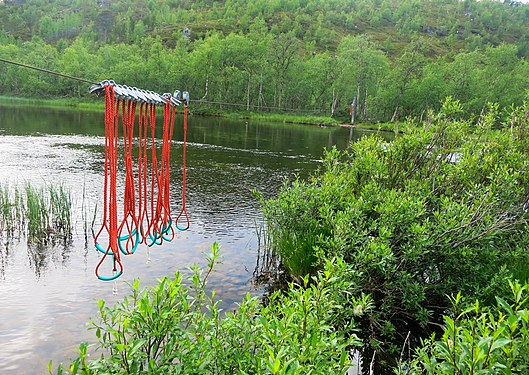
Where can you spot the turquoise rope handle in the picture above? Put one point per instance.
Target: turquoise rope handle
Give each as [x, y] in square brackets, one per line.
[100, 249]
[154, 239]
[126, 237]
[182, 212]
[167, 229]
[110, 278]
[113, 277]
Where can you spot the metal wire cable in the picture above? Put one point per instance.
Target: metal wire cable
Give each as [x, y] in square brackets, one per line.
[47, 71]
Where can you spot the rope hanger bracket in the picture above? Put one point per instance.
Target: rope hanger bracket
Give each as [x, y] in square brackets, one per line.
[124, 92]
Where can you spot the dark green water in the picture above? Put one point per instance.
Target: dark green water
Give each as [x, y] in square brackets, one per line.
[48, 294]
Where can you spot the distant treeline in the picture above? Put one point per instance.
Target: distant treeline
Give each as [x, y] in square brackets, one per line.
[397, 58]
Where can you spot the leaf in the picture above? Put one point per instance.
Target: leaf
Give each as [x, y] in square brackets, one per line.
[504, 305]
[500, 343]
[277, 365]
[138, 344]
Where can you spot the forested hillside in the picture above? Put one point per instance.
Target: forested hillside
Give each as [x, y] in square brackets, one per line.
[397, 58]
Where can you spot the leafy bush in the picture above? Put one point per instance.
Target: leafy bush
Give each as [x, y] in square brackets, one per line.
[479, 340]
[438, 210]
[177, 328]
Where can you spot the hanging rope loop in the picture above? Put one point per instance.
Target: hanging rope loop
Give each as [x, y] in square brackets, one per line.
[183, 212]
[109, 226]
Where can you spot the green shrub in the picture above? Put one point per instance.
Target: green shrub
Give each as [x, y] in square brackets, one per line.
[177, 328]
[438, 210]
[479, 340]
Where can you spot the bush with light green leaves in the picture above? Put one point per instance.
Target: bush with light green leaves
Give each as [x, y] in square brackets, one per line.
[438, 210]
[478, 339]
[176, 327]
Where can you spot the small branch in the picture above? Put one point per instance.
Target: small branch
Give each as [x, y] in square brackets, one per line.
[404, 346]
[372, 364]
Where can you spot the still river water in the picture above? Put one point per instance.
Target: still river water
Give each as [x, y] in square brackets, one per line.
[48, 295]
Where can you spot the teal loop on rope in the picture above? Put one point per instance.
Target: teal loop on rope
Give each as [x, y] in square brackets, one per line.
[154, 239]
[113, 277]
[116, 272]
[183, 212]
[100, 249]
[182, 228]
[126, 237]
[166, 230]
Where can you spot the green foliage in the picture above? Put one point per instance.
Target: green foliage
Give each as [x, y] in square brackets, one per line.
[440, 209]
[176, 327]
[398, 58]
[478, 339]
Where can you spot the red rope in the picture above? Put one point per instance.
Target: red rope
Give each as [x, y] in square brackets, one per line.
[169, 120]
[143, 216]
[109, 196]
[128, 228]
[183, 212]
[153, 231]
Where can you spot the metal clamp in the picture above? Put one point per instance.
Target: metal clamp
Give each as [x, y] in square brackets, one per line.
[124, 92]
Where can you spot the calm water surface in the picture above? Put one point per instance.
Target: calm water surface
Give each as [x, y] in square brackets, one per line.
[48, 294]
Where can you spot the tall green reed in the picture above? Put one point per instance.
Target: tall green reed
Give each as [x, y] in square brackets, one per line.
[11, 210]
[61, 210]
[37, 213]
[42, 213]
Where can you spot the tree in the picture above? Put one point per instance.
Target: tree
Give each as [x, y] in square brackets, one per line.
[363, 68]
[281, 57]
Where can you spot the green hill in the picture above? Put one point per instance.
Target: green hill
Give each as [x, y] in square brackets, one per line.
[398, 58]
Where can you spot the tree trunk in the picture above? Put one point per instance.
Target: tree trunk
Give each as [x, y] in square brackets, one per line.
[260, 98]
[206, 88]
[353, 109]
[333, 104]
[357, 101]
[248, 93]
[394, 117]
[364, 108]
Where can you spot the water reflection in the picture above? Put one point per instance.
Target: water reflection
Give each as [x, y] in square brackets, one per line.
[43, 255]
[47, 293]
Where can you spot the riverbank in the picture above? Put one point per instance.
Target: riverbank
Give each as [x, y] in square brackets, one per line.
[94, 104]
[394, 127]
[63, 103]
[303, 119]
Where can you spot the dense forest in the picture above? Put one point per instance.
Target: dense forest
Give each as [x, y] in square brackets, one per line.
[393, 59]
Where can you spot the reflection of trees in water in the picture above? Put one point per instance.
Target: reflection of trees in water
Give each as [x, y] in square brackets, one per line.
[268, 271]
[41, 255]
[4, 254]
[8, 243]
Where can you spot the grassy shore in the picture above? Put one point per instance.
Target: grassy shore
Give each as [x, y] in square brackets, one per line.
[97, 104]
[93, 104]
[268, 116]
[64, 103]
[394, 127]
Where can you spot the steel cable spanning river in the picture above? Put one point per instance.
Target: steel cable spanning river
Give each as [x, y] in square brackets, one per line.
[48, 293]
